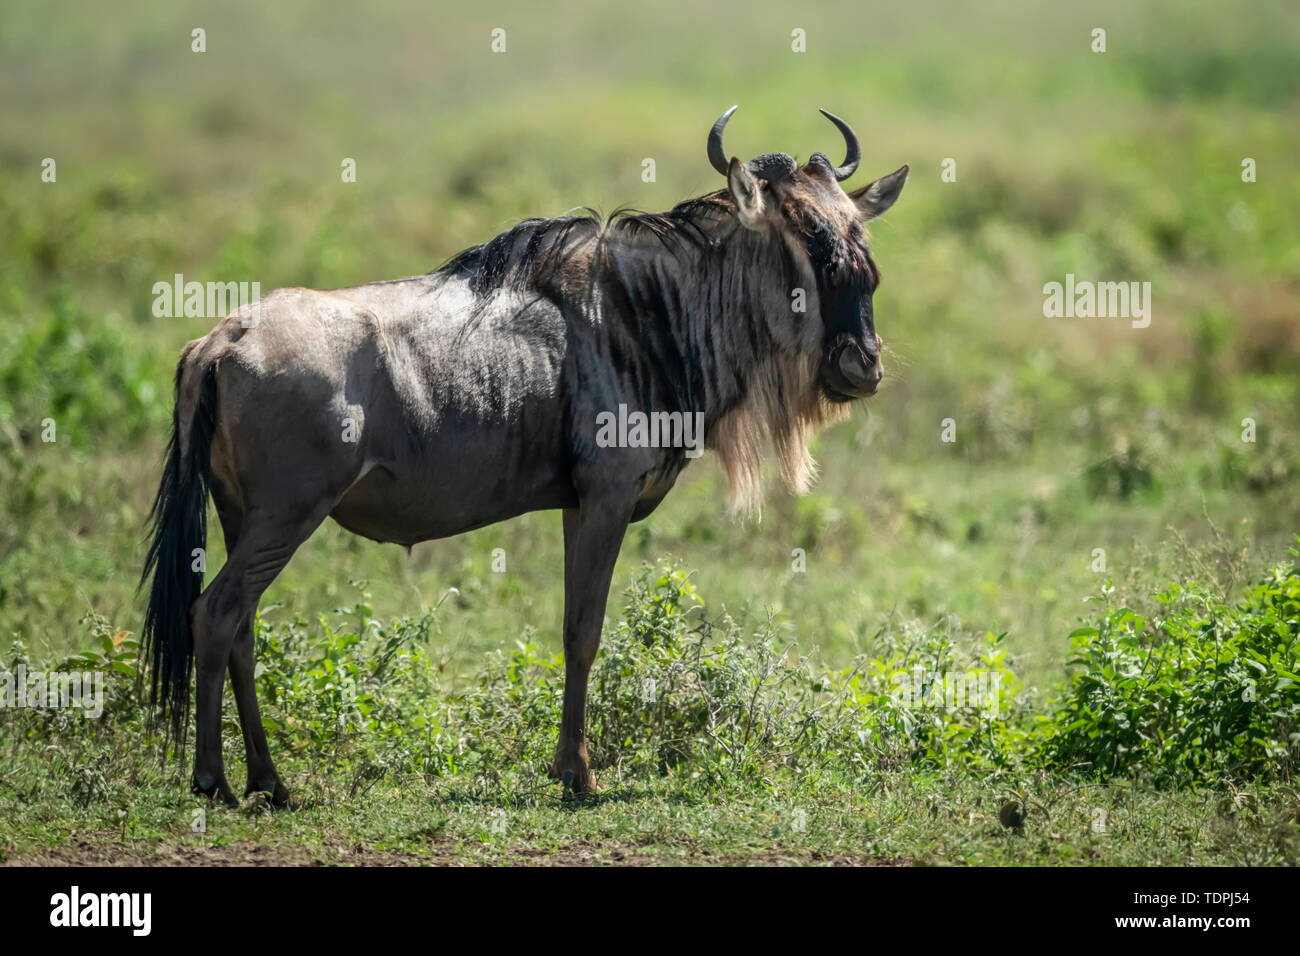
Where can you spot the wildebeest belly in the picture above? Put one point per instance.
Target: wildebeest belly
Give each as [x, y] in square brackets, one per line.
[465, 478]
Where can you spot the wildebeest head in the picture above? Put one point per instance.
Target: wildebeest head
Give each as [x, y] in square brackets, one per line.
[823, 227]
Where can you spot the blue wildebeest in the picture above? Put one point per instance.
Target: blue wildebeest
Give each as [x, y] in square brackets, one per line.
[426, 407]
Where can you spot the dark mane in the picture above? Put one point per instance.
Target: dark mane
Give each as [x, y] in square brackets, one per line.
[684, 222]
[538, 249]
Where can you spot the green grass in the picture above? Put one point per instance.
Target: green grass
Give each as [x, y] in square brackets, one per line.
[715, 740]
[924, 819]
[1072, 435]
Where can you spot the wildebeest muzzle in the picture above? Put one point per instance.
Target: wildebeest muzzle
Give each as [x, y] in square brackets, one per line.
[850, 371]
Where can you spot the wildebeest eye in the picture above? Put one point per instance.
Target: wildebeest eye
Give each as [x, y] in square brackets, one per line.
[823, 247]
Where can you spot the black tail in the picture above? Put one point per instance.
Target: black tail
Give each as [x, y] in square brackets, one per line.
[178, 525]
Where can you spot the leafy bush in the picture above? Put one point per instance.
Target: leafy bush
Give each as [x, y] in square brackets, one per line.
[1201, 692]
[82, 370]
[938, 697]
[1123, 472]
[674, 691]
[1204, 691]
[361, 702]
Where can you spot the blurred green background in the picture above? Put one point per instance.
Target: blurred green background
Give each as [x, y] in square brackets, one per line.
[1072, 434]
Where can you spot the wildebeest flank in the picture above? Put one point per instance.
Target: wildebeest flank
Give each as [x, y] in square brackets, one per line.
[426, 407]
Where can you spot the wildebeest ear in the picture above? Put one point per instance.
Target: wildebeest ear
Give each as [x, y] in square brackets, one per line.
[874, 198]
[745, 190]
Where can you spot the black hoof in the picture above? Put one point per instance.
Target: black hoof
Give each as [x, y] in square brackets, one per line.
[277, 796]
[213, 789]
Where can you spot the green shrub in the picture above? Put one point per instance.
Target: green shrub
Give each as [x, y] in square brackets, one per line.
[674, 690]
[1202, 692]
[357, 702]
[917, 704]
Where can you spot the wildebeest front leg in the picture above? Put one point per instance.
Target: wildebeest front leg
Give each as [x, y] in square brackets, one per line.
[592, 536]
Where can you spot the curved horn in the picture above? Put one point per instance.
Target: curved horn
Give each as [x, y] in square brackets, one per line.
[854, 154]
[718, 156]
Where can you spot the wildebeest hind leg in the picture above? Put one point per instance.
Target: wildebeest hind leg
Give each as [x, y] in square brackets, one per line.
[220, 618]
[261, 771]
[262, 777]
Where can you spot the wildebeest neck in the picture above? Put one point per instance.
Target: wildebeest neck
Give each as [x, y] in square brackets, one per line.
[688, 303]
[681, 311]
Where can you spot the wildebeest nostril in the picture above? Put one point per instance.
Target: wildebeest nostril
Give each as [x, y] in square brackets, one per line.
[855, 365]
